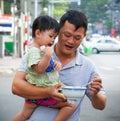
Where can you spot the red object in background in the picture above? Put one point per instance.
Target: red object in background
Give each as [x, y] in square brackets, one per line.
[26, 30]
[6, 16]
[113, 32]
[26, 18]
[25, 42]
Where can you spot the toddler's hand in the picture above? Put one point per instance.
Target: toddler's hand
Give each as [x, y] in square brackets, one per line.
[48, 51]
[57, 65]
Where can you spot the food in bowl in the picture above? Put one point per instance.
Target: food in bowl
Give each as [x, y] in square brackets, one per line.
[72, 92]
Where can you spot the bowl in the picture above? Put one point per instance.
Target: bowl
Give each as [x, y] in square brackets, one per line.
[73, 93]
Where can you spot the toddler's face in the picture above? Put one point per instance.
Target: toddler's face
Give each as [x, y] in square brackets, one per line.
[48, 37]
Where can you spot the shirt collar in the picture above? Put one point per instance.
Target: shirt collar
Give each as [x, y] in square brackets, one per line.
[78, 60]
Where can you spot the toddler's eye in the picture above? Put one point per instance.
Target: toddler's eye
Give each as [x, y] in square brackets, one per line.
[50, 36]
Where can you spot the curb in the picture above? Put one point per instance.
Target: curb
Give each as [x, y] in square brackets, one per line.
[4, 70]
[9, 65]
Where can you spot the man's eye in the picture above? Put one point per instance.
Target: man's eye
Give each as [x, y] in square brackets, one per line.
[67, 34]
[77, 38]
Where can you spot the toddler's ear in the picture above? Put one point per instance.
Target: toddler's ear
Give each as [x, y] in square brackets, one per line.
[37, 33]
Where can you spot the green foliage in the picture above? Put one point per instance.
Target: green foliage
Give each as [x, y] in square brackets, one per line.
[117, 1]
[7, 7]
[60, 9]
[44, 4]
[109, 25]
[9, 1]
[94, 9]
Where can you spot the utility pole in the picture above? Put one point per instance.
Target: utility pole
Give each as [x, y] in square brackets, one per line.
[26, 25]
[14, 25]
[36, 8]
[2, 7]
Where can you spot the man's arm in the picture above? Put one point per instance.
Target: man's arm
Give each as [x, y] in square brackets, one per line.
[24, 89]
[98, 99]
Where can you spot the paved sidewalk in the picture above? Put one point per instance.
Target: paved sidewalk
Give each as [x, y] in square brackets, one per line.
[8, 64]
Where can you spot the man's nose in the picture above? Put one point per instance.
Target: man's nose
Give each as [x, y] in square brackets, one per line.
[71, 39]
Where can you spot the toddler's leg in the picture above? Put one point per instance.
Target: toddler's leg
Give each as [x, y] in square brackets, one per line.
[66, 110]
[26, 112]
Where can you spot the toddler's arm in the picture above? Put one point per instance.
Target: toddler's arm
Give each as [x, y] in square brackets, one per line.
[44, 62]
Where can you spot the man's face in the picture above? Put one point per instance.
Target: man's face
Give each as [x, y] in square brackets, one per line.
[69, 39]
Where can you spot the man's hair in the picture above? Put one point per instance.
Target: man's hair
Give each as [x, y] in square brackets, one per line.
[44, 23]
[77, 18]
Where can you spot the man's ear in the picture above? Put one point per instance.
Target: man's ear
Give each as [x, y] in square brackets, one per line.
[85, 35]
[37, 33]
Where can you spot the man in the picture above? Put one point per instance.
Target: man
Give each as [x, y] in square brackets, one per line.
[76, 70]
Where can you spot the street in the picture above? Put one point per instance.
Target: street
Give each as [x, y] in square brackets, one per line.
[108, 64]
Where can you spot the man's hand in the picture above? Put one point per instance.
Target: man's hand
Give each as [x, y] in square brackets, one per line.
[56, 94]
[95, 86]
[98, 99]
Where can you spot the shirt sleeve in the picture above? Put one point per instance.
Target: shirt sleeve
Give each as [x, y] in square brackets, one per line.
[23, 64]
[33, 57]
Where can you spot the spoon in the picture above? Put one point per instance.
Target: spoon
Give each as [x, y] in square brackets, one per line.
[85, 85]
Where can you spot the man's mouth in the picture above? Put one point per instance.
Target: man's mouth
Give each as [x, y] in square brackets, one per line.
[68, 46]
